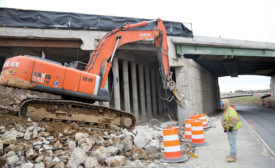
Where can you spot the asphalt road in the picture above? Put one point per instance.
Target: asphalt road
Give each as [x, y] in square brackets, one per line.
[262, 119]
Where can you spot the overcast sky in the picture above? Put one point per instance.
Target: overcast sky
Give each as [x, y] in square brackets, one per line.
[236, 19]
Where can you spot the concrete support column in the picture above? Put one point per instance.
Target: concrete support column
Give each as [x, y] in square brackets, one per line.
[106, 104]
[116, 84]
[148, 91]
[141, 90]
[154, 94]
[126, 86]
[159, 100]
[134, 89]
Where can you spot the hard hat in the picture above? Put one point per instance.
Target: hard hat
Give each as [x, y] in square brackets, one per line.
[221, 103]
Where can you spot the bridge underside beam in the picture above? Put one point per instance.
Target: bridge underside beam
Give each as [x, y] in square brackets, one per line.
[208, 50]
[232, 61]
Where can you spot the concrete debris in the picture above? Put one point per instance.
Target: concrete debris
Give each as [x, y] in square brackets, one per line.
[91, 162]
[138, 153]
[71, 144]
[27, 165]
[10, 135]
[39, 159]
[153, 146]
[30, 154]
[78, 157]
[86, 144]
[39, 165]
[59, 165]
[2, 129]
[57, 145]
[115, 161]
[48, 147]
[27, 135]
[101, 153]
[80, 135]
[11, 160]
[48, 161]
[1, 147]
[114, 150]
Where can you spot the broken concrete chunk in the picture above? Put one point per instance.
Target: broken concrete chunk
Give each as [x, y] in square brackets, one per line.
[80, 135]
[39, 159]
[27, 135]
[2, 129]
[153, 146]
[101, 153]
[48, 147]
[115, 161]
[91, 162]
[39, 165]
[1, 147]
[78, 157]
[113, 150]
[138, 153]
[86, 144]
[59, 165]
[31, 154]
[48, 161]
[27, 165]
[71, 144]
[10, 135]
[12, 160]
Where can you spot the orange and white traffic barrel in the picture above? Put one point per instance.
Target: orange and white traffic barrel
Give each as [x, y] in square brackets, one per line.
[203, 118]
[194, 116]
[188, 129]
[197, 132]
[172, 151]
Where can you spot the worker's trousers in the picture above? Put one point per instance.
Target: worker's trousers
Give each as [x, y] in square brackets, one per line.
[232, 137]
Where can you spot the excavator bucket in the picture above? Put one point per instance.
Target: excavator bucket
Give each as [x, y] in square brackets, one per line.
[178, 97]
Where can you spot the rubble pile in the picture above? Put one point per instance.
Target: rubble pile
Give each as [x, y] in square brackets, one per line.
[28, 144]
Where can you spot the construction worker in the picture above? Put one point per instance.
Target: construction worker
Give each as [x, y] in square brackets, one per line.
[231, 123]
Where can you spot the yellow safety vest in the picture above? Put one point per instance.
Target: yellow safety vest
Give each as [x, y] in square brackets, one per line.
[233, 113]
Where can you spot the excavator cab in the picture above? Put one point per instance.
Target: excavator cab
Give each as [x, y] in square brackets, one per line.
[78, 65]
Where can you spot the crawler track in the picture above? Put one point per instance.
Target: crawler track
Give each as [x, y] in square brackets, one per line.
[42, 108]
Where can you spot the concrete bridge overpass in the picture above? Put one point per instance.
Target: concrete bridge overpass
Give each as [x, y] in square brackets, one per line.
[197, 63]
[217, 57]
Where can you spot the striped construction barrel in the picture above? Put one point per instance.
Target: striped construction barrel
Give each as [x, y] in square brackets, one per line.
[203, 118]
[194, 116]
[197, 132]
[188, 129]
[171, 143]
[172, 151]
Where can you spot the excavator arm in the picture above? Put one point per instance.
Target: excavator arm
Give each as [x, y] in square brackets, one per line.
[101, 59]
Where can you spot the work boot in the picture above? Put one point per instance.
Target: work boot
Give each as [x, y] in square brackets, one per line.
[231, 159]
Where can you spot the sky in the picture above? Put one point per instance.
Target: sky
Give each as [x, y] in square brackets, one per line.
[236, 19]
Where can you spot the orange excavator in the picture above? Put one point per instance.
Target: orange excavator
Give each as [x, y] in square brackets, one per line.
[38, 75]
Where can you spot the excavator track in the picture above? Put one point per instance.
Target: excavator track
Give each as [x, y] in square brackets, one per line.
[42, 106]
[67, 110]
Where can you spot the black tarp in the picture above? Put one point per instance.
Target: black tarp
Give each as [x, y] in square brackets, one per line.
[63, 20]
